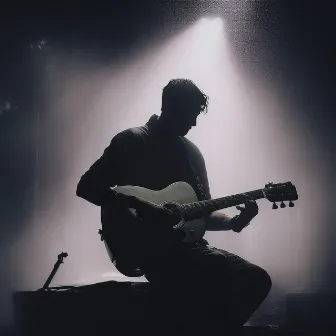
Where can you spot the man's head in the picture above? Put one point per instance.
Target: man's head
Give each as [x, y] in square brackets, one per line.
[182, 102]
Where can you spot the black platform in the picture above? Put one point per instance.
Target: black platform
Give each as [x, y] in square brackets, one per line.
[107, 308]
[129, 308]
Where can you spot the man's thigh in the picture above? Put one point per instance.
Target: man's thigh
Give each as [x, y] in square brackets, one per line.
[191, 266]
[235, 262]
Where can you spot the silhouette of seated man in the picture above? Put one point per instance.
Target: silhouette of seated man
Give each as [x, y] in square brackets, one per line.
[195, 278]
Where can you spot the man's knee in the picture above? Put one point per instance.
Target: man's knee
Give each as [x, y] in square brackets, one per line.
[263, 281]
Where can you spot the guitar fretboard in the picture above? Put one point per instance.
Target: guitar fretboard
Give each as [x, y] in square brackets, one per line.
[204, 208]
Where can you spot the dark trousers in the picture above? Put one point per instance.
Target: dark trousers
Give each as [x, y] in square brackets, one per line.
[204, 283]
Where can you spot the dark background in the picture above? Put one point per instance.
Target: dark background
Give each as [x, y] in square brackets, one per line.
[292, 41]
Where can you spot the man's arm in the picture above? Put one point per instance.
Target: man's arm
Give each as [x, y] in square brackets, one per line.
[216, 221]
[94, 185]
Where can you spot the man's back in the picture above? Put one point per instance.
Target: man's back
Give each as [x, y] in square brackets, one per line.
[141, 156]
[158, 161]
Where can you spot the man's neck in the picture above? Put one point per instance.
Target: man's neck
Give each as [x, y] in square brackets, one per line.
[161, 128]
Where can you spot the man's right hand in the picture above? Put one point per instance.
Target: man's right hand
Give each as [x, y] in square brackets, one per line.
[149, 213]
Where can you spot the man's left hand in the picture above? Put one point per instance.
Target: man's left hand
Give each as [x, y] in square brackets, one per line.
[247, 213]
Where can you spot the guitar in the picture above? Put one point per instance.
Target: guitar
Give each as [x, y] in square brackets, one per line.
[125, 252]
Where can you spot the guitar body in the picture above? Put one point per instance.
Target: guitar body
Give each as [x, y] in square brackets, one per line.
[125, 248]
[178, 192]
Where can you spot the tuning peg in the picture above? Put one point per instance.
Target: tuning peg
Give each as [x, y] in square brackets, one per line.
[291, 204]
[282, 205]
[275, 206]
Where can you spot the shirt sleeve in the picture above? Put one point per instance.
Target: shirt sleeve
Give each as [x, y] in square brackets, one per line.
[204, 177]
[94, 185]
[199, 164]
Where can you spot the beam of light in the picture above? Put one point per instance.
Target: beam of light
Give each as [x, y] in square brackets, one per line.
[245, 138]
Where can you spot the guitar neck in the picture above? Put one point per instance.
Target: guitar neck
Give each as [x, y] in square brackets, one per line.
[204, 208]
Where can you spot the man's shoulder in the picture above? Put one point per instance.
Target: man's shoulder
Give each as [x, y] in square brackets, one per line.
[132, 139]
[192, 147]
[132, 133]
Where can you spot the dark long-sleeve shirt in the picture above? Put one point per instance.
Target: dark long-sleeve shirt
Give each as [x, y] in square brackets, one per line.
[141, 156]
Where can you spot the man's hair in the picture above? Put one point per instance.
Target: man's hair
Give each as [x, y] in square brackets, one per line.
[183, 91]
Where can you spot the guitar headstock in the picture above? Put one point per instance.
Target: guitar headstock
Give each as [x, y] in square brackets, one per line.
[61, 256]
[280, 192]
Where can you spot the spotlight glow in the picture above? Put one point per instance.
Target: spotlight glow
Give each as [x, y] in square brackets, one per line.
[211, 23]
[209, 35]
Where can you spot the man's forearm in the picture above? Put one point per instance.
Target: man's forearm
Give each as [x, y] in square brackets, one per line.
[93, 192]
[218, 221]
